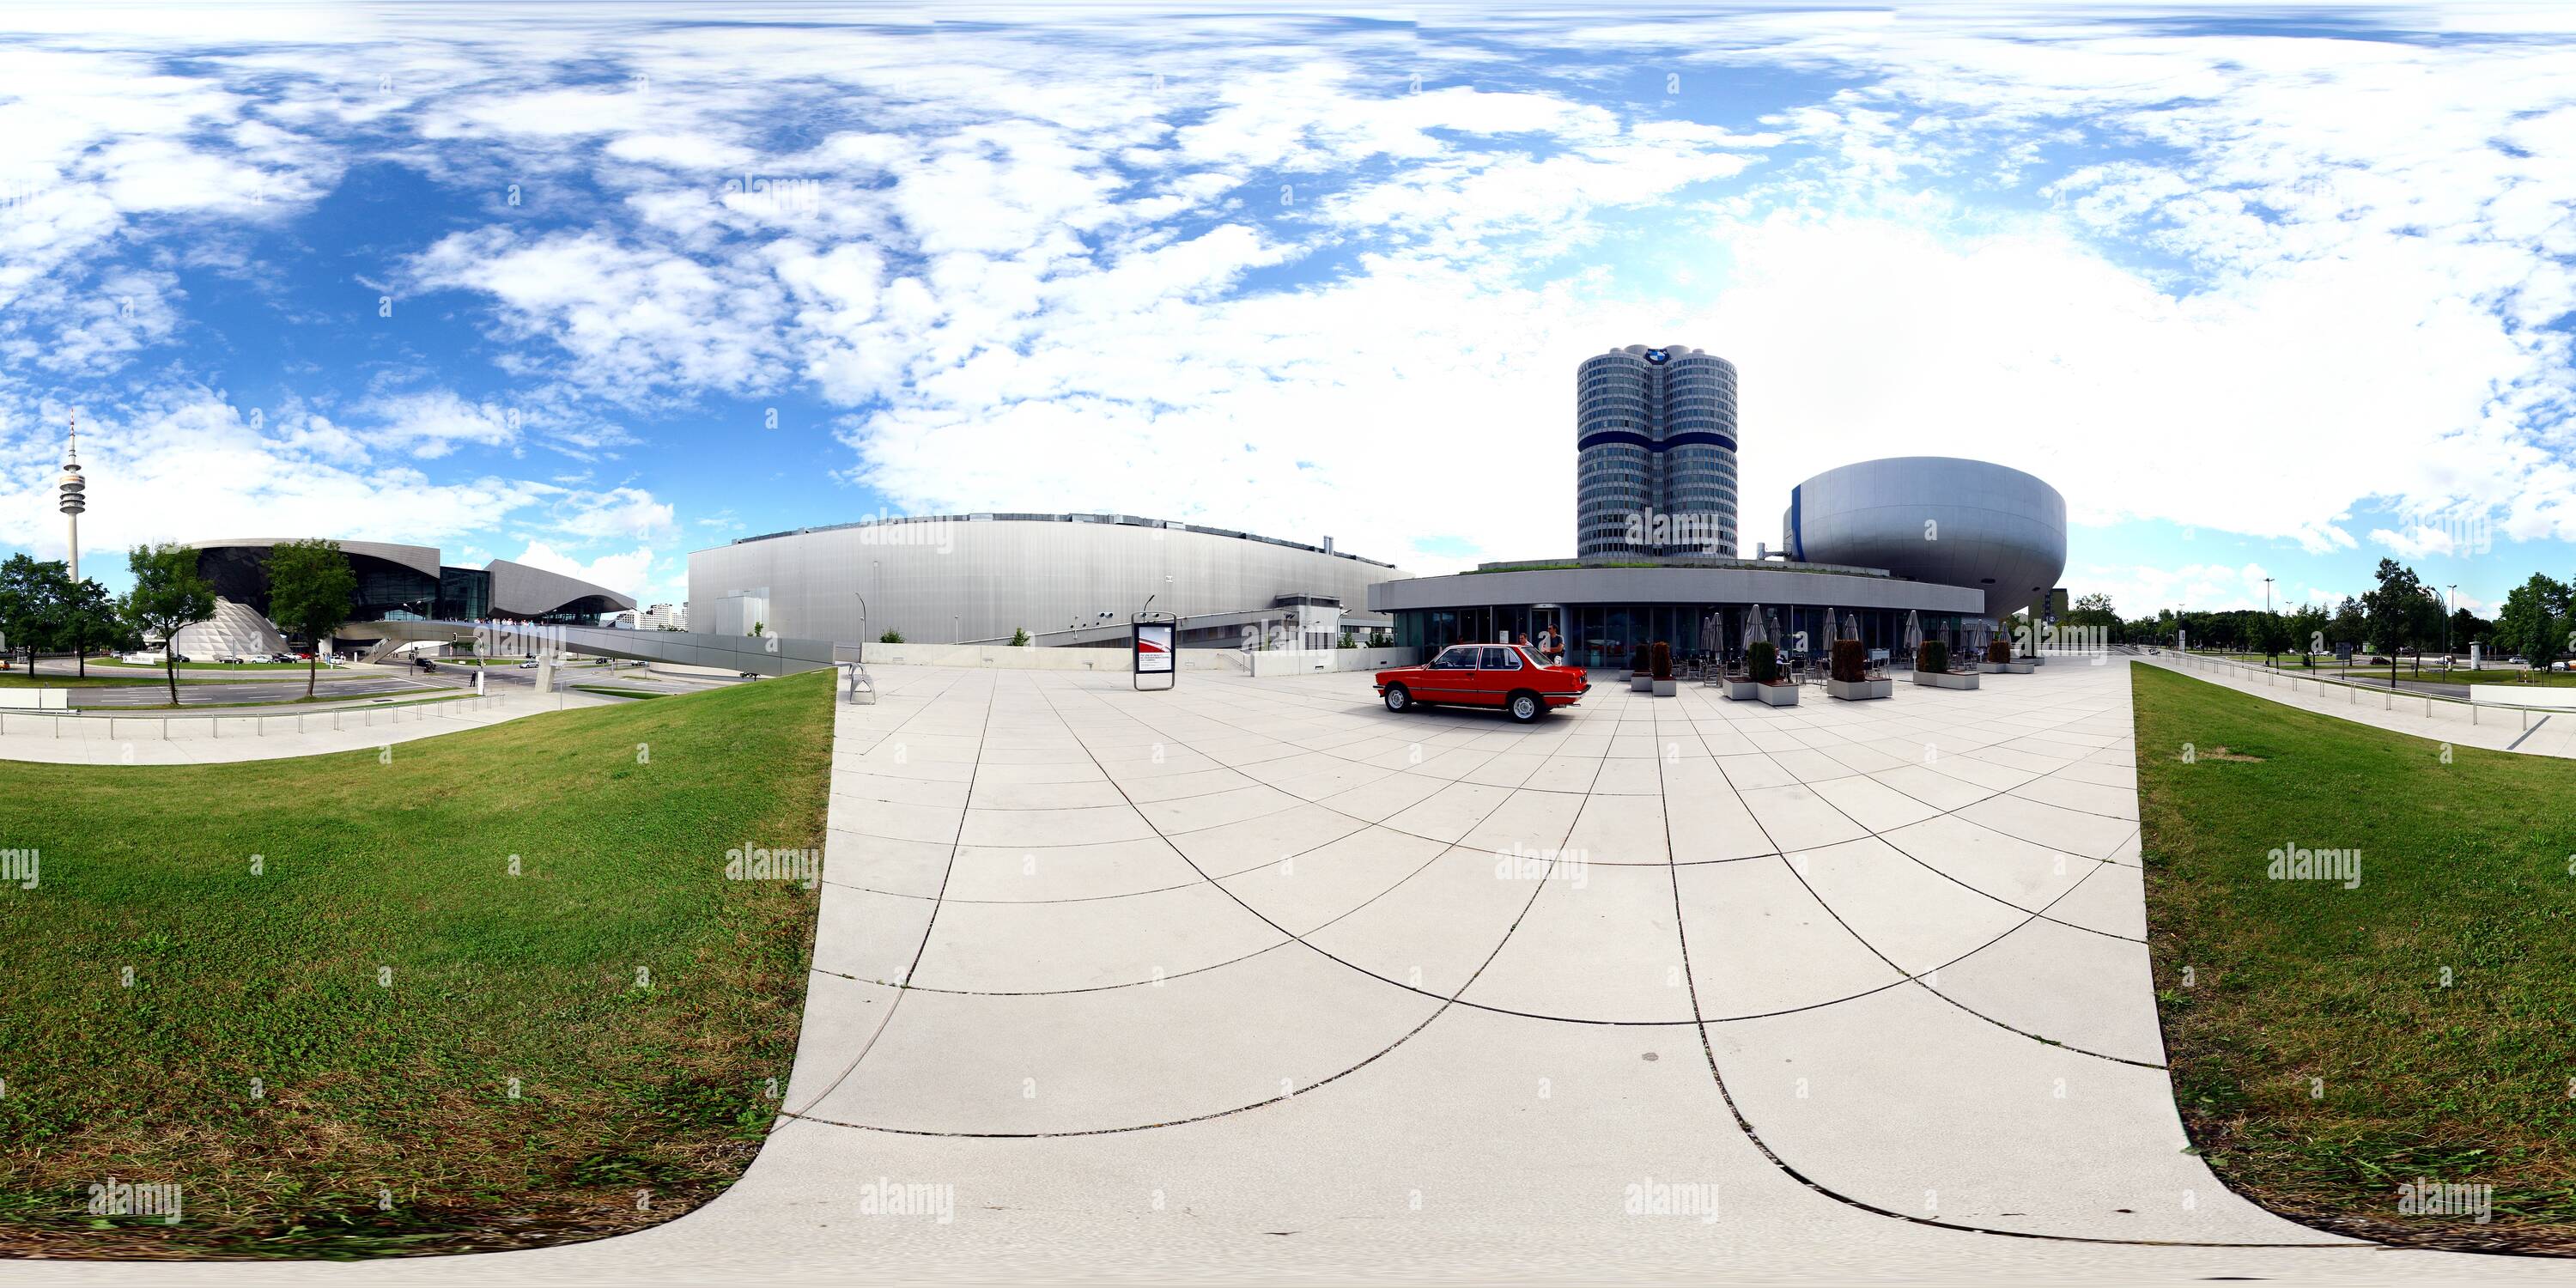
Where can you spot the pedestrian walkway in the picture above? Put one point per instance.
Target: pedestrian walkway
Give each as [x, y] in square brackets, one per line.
[238, 734]
[2497, 728]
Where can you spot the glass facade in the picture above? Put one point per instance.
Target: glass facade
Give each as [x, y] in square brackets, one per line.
[1611, 636]
[464, 594]
[1655, 441]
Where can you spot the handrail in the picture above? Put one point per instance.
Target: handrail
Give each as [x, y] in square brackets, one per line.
[2390, 695]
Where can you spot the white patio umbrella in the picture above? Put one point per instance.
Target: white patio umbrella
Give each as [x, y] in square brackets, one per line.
[1913, 636]
[1754, 631]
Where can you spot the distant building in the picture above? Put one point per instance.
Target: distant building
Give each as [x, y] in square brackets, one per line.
[1066, 579]
[1654, 435]
[664, 617]
[394, 583]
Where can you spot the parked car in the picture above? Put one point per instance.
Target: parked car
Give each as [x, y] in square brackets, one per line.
[528, 664]
[1508, 676]
[230, 659]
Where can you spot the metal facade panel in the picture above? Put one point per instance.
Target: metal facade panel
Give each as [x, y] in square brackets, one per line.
[966, 580]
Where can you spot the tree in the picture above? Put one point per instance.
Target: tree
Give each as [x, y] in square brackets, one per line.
[2468, 628]
[2401, 612]
[2269, 632]
[167, 595]
[310, 588]
[2308, 628]
[88, 617]
[2350, 627]
[32, 596]
[2533, 622]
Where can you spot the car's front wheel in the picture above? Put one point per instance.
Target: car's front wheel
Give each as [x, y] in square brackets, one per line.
[1525, 706]
[1398, 697]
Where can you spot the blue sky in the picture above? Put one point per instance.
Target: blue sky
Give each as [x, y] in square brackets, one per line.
[2262, 294]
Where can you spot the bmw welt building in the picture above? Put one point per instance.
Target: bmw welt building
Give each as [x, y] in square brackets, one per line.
[394, 583]
[1066, 579]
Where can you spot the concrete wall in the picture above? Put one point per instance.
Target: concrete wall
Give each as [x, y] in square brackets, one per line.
[1107, 661]
[36, 699]
[1327, 660]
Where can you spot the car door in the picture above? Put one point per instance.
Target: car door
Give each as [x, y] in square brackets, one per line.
[1451, 677]
[1498, 672]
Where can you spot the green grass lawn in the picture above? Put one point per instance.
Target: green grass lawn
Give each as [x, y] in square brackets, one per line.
[448, 1056]
[621, 693]
[67, 679]
[2434, 1005]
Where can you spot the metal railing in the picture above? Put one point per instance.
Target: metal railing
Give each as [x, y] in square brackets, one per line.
[2449, 708]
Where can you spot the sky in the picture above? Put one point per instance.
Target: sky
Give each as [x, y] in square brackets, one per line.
[2265, 292]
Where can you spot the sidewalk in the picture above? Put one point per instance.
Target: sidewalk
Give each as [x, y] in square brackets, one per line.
[254, 734]
[2535, 733]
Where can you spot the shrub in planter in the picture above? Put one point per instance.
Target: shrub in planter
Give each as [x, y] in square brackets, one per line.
[1661, 660]
[1933, 656]
[1998, 651]
[1851, 661]
[1762, 662]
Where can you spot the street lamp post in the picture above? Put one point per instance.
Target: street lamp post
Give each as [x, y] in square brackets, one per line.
[2270, 656]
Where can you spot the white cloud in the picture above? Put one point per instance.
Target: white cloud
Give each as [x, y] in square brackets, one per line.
[626, 573]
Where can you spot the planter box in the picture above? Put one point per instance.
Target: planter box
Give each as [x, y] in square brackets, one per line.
[1640, 682]
[2020, 668]
[1667, 688]
[1860, 690]
[1945, 680]
[1742, 690]
[1990, 668]
[1777, 695]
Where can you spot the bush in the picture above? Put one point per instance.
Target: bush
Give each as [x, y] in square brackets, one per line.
[1020, 638]
[1660, 660]
[1999, 650]
[1762, 662]
[1851, 661]
[891, 637]
[1933, 656]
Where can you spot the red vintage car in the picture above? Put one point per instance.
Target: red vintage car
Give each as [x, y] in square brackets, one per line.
[1485, 675]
